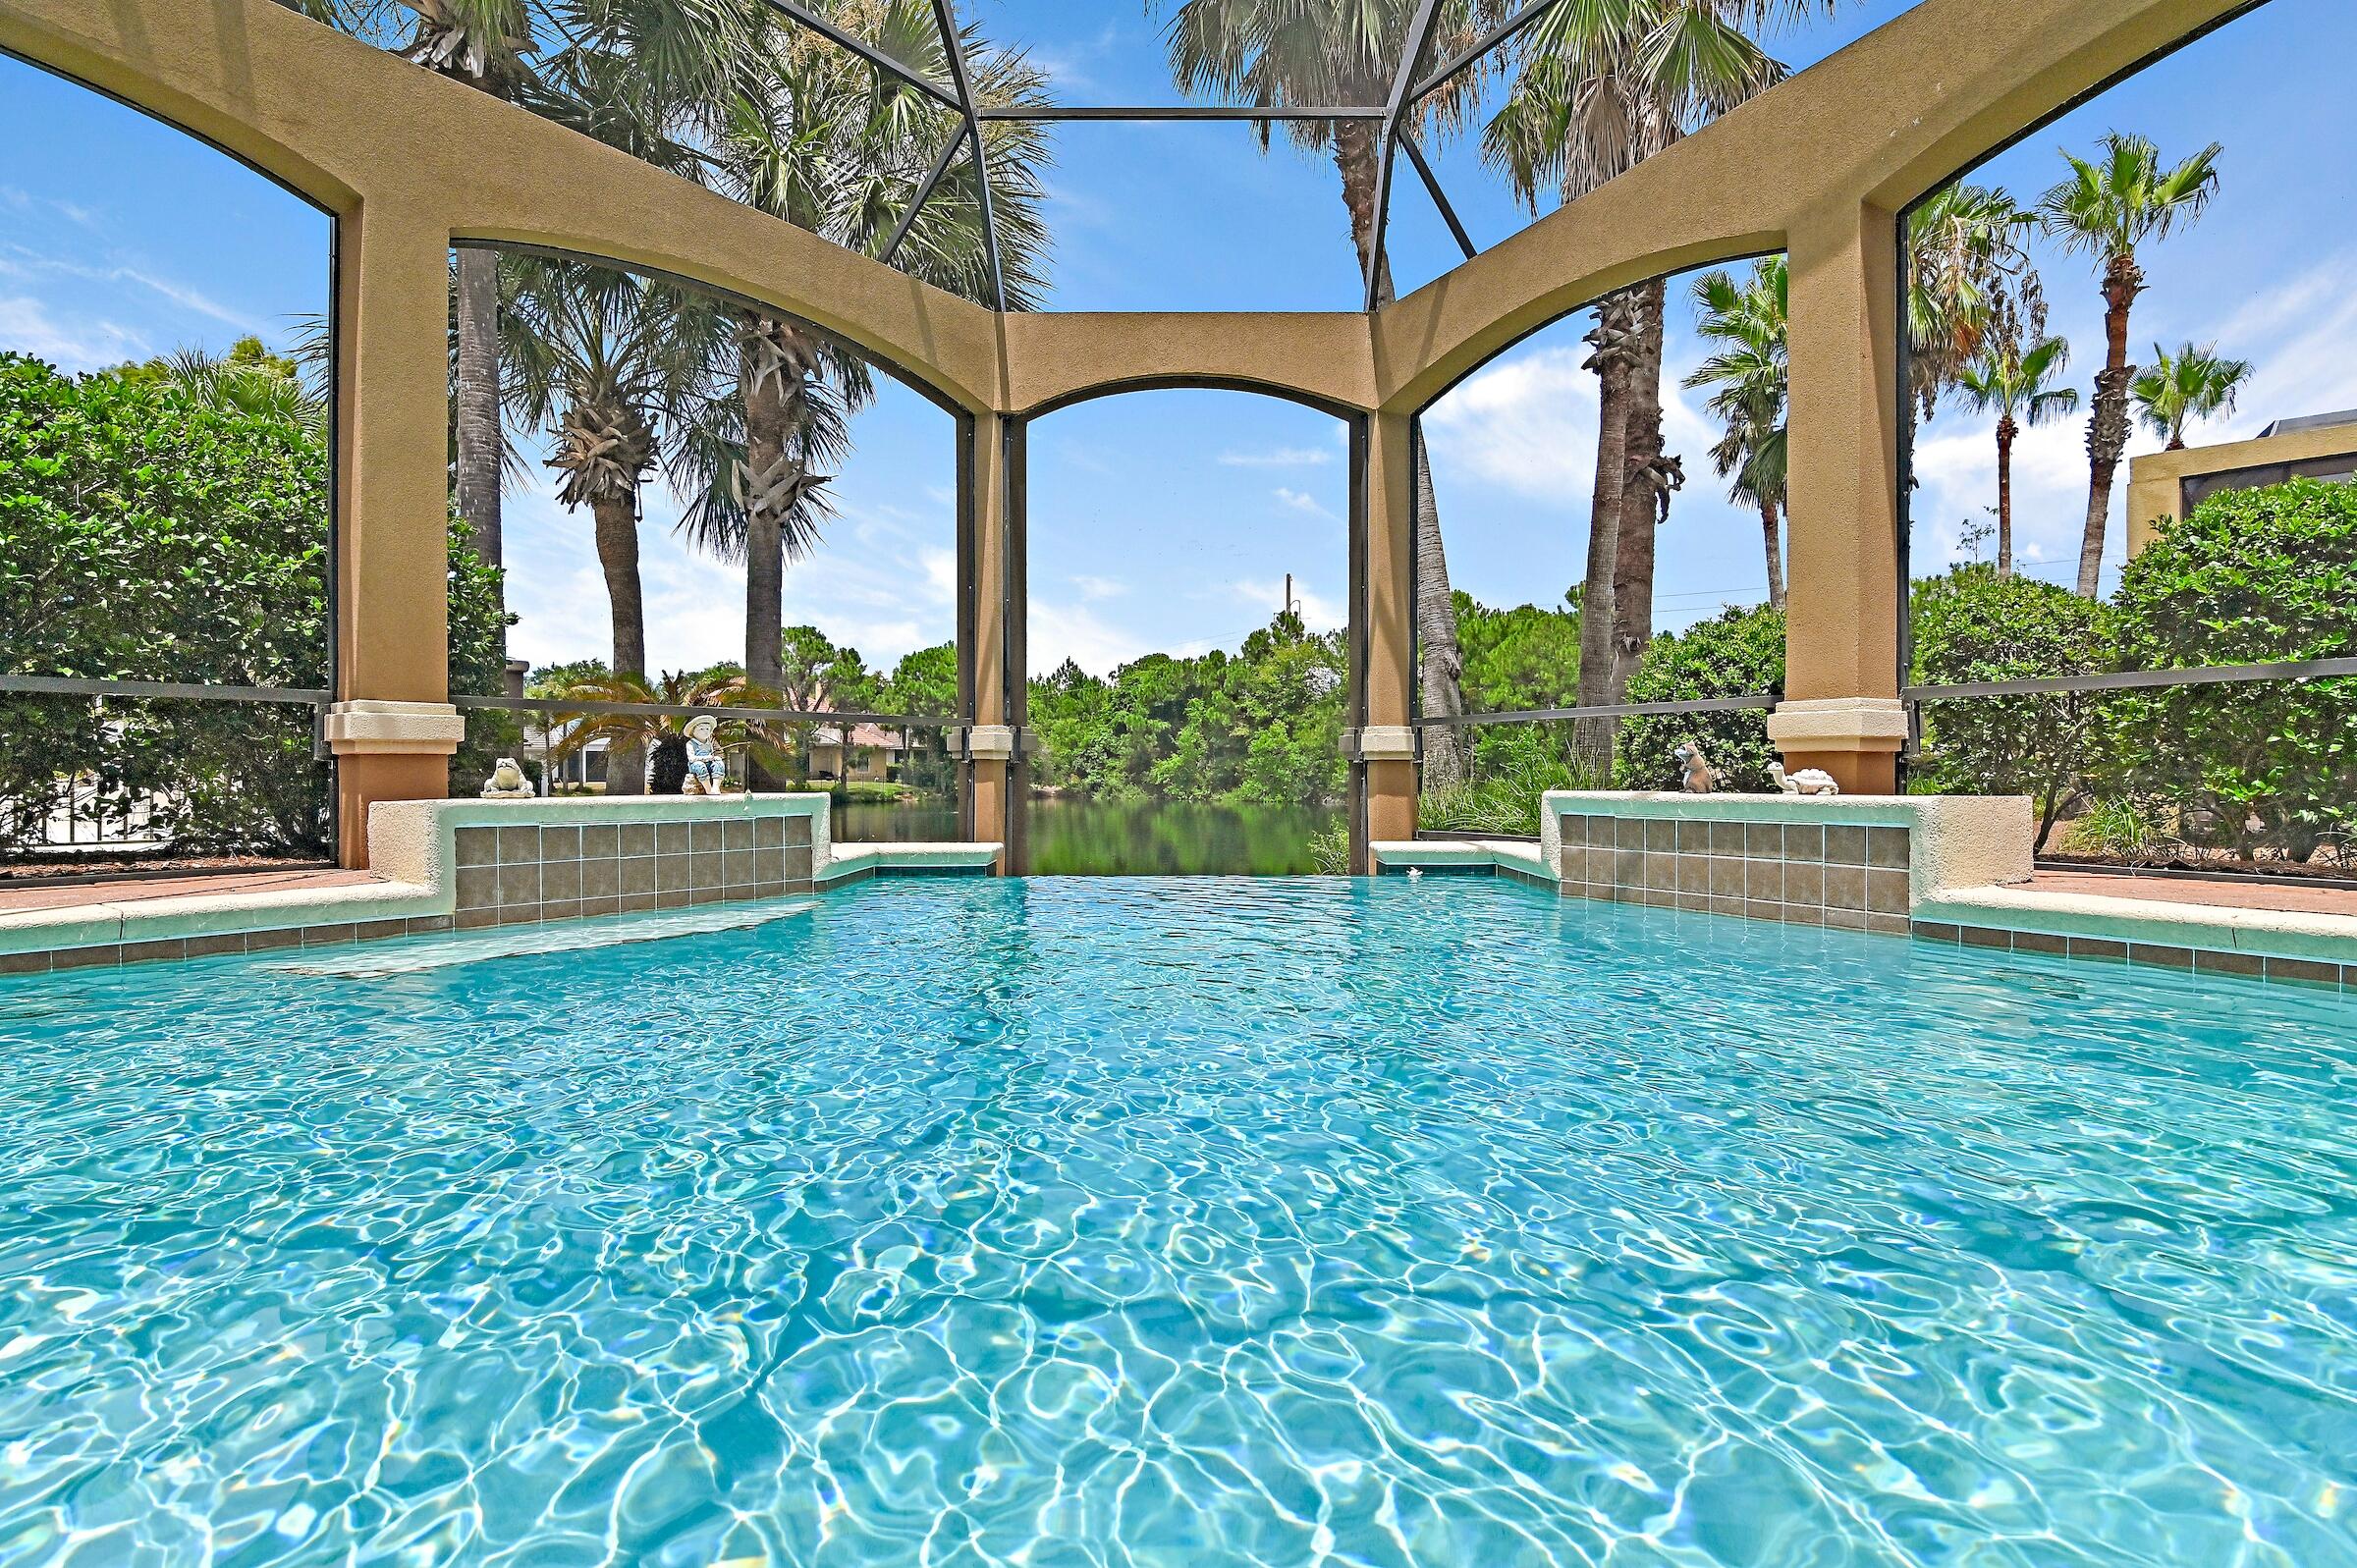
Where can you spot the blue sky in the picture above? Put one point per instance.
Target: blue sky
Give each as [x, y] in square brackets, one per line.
[1169, 520]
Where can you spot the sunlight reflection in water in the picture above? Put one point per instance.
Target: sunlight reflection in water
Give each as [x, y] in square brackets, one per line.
[1204, 1222]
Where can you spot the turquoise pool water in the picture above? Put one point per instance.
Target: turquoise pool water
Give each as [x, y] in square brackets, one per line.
[1184, 1223]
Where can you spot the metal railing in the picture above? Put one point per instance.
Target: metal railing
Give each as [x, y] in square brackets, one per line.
[568, 707]
[2138, 679]
[80, 810]
[1618, 710]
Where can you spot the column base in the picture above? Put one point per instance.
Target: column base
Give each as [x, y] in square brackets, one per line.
[1856, 739]
[362, 779]
[993, 805]
[1391, 806]
[387, 751]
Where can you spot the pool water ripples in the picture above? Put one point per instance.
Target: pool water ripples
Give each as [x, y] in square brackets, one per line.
[1221, 1222]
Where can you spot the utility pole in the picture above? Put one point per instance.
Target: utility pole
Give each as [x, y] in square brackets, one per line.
[1288, 593]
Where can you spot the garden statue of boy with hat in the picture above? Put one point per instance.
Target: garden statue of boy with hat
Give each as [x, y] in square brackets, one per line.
[704, 766]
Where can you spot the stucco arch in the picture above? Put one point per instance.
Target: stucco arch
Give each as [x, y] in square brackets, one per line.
[1321, 359]
[353, 127]
[1877, 126]
[1882, 122]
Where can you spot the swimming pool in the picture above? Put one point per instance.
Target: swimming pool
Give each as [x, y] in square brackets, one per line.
[1206, 1222]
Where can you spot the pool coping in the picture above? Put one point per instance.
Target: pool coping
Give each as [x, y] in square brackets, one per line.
[2280, 947]
[413, 847]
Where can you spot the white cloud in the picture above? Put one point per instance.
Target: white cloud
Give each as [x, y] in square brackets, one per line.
[941, 575]
[1065, 67]
[1318, 612]
[1277, 458]
[1308, 506]
[889, 596]
[1526, 424]
[180, 294]
[26, 327]
[1094, 588]
[1059, 632]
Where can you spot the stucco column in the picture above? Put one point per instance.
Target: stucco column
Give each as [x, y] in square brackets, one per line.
[1382, 609]
[392, 727]
[1841, 711]
[990, 744]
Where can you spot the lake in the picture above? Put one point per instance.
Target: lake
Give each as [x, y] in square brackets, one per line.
[1100, 838]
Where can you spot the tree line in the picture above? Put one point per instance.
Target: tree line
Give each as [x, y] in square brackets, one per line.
[167, 522]
[2261, 771]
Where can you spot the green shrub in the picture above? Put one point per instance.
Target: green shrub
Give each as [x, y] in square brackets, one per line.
[1513, 765]
[147, 534]
[2250, 576]
[2123, 828]
[1329, 850]
[1973, 625]
[1738, 654]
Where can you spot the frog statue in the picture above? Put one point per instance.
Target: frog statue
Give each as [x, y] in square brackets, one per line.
[508, 782]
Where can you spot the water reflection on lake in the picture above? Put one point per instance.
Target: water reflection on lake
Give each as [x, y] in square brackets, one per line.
[1097, 838]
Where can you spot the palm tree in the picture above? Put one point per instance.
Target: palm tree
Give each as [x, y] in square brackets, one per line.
[1274, 53]
[482, 43]
[1750, 322]
[2107, 208]
[631, 74]
[612, 365]
[1969, 280]
[2194, 383]
[2016, 385]
[252, 381]
[1605, 84]
[836, 148]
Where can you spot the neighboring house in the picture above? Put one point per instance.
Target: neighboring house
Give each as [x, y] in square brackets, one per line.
[875, 758]
[877, 753]
[2164, 486]
[580, 771]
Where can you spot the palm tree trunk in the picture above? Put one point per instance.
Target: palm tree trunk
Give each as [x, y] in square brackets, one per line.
[617, 526]
[2108, 431]
[1440, 664]
[1774, 532]
[480, 446]
[2004, 496]
[1440, 668]
[765, 419]
[1616, 317]
[1644, 498]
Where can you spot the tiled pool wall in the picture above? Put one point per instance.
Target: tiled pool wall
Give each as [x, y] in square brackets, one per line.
[511, 876]
[446, 865]
[1949, 870]
[1812, 874]
[109, 955]
[2147, 954]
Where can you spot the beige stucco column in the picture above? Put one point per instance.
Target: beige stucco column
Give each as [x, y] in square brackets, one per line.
[1841, 711]
[1383, 606]
[990, 744]
[392, 727]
